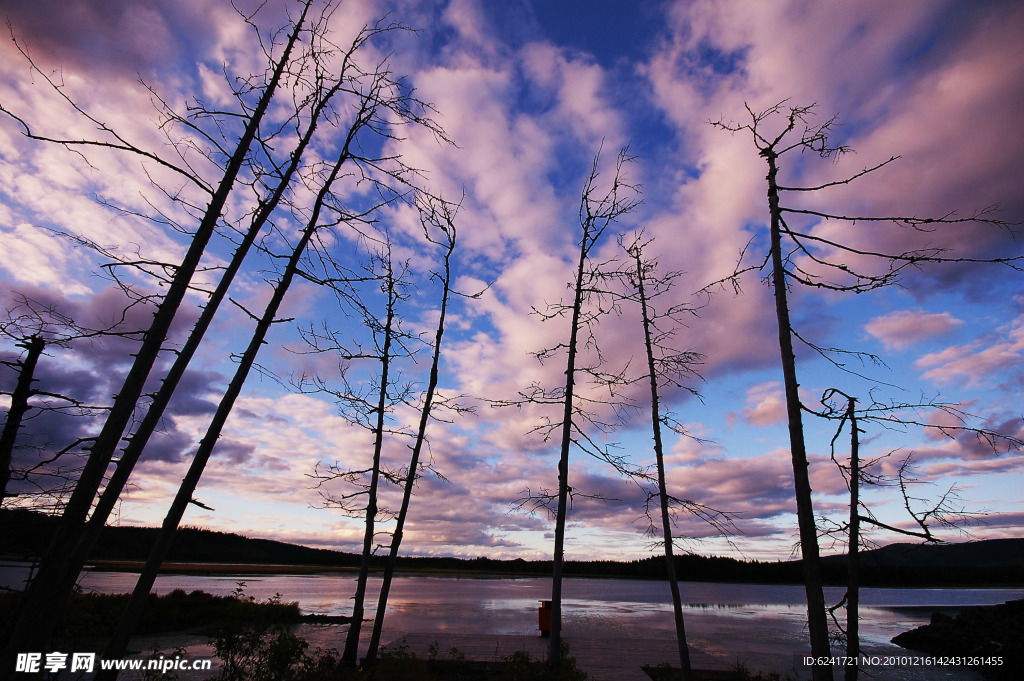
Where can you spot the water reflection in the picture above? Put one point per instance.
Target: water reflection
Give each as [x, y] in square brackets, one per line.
[769, 615]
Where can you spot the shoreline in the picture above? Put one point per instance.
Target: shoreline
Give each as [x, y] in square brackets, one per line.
[200, 568]
[242, 569]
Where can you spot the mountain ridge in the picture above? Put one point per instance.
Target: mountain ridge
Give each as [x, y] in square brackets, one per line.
[24, 533]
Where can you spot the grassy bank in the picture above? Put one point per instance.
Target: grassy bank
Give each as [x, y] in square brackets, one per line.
[95, 615]
[190, 568]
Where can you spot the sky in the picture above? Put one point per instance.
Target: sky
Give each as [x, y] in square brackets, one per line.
[528, 94]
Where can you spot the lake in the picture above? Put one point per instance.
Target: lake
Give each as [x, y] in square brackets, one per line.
[767, 622]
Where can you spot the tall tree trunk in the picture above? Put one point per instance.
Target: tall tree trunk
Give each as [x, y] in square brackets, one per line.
[666, 521]
[350, 656]
[555, 644]
[853, 552]
[119, 642]
[47, 594]
[817, 619]
[414, 462]
[595, 215]
[140, 438]
[34, 346]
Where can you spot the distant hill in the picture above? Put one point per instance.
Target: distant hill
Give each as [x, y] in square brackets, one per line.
[997, 553]
[24, 534]
[995, 561]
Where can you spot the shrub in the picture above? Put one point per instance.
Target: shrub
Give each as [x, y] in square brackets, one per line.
[255, 643]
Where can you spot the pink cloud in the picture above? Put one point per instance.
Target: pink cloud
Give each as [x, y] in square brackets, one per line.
[580, 85]
[952, 469]
[994, 356]
[760, 40]
[766, 404]
[898, 330]
[994, 525]
[758, 486]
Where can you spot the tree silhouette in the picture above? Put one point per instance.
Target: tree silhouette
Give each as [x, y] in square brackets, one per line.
[184, 496]
[367, 401]
[438, 220]
[320, 109]
[387, 335]
[945, 511]
[26, 369]
[666, 366]
[800, 256]
[313, 74]
[47, 592]
[34, 327]
[579, 422]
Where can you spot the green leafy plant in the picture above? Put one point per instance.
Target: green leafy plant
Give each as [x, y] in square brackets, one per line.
[744, 674]
[519, 666]
[256, 644]
[161, 674]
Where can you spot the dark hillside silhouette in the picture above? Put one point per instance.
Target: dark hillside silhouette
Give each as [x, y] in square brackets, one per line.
[992, 561]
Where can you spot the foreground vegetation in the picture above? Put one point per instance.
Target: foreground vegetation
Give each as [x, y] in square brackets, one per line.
[739, 672]
[93, 615]
[253, 641]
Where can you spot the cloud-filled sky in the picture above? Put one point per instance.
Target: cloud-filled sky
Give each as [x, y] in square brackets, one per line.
[529, 92]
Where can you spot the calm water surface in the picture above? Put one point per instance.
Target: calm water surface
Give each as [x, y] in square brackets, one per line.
[717, 615]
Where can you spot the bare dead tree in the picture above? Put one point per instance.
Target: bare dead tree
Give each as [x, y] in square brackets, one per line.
[184, 496]
[388, 345]
[325, 86]
[946, 511]
[438, 220]
[665, 367]
[37, 611]
[378, 106]
[26, 368]
[817, 622]
[368, 401]
[852, 596]
[800, 256]
[375, 104]
[580, 422]
[34, 326]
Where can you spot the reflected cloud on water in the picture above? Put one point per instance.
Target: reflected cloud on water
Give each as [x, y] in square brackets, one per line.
[768, 615]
